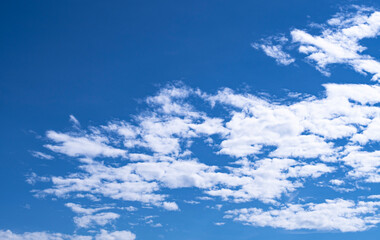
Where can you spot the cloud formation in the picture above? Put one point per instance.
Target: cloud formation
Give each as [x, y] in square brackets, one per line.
[103, 235]
[338, 42]
[276, 52]
[270, 148]
[337, 214]
[273, 148]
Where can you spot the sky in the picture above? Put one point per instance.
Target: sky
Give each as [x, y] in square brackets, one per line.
[193, 120]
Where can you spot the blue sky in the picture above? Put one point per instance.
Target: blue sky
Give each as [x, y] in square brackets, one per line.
[189, 120]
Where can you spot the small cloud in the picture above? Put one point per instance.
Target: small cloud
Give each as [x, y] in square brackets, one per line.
[33, 178]
[130, 209]
[26, 206]
[191, 202]
[205, 198]
[41, 155]
[337, 182]
[276, 52]
[171, 206]
[74, 121]
[374, 197]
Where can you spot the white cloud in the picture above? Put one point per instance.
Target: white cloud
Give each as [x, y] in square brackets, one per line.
[101, 219]
[103, 235]
[365, 165]
[193, 202]
[303, 130]
[116, 235]
[130, 208]
[77, 208]
[338, 42]
[338, 214]
[32, 178]
[41, 155]
[88, 216]
[74, 121]
[276, 52]
[171, 206]
[270, 148]
[337, 182]
[89, 146]
[9, 235]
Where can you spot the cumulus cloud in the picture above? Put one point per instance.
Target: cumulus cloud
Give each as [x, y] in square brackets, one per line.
[337, 214]
[171, 206]
[101, 219]
[273, 148]
[336, 182]
[270, 148]
[88, 216]
[103, 235]
[116, 235]
[88, 146]
[337, 43]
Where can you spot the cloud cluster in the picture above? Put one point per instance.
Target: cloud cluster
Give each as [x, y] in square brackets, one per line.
[337, 214]
[89, 216]
[270, 147]
[103, 235]
[338, 42]
[273, 148]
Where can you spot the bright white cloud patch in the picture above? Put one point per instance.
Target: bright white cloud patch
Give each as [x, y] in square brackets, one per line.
[116, 235]
[103, 235]
[338, 42]
[338, 214]
[88, 217]
[88, 146]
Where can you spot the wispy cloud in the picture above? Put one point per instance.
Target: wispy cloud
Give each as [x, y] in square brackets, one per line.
[338, 42]
[276, 52]
[41, 155]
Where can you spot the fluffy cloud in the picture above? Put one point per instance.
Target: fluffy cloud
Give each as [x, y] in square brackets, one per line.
[9, 235]
[116, 235]
[338, 214]
[273, 148]
[103, 235]
[338, 42]
[270, 149]
[171, 206]
[89, 218]
[101, 219]
[88, 146]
